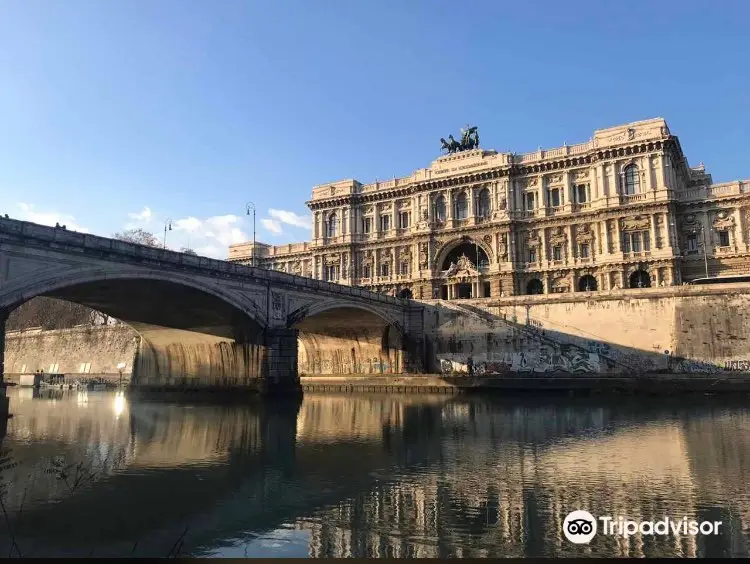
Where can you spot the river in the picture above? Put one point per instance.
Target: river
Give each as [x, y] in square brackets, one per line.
[94, 474]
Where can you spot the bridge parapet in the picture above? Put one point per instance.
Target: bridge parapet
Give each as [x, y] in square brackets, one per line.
[33, 234]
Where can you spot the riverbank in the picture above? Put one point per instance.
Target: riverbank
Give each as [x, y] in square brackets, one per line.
[659, 384]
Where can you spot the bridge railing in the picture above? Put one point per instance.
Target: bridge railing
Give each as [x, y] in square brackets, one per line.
[79, 242]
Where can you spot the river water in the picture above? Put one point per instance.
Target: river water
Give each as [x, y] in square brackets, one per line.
[93, 474]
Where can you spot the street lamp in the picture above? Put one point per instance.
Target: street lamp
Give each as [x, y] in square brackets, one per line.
[167, 226]
[251, 206]
[705, 248]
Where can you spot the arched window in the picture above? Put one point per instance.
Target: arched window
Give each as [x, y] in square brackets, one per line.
[331, 227]
[483, 203]
[640, 279]
[632, 180]
[440, 209]
[535, 287]
[462, 206]
[587, 283]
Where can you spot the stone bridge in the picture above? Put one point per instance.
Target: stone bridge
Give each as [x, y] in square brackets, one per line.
[207, 323]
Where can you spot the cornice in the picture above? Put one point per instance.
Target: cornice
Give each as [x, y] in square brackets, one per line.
[507, 170]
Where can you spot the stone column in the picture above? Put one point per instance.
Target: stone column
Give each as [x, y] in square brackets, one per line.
[618, 236]
[738, 236]
[317, 226]
[646, 168]
[567, 199]
[543, 248]
[601, 188]
[280, 368]
[569, 254]
[449, 205]
[471, 194]
[654, 233]
[394, 215]
[661, 183]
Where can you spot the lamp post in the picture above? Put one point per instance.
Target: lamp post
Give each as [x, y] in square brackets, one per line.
[167, 226]
[251, 206]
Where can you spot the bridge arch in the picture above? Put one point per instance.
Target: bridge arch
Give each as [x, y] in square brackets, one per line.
[342, 337]
[191, 333]
[33, 285]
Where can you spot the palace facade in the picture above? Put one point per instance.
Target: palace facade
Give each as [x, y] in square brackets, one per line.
[623, 210]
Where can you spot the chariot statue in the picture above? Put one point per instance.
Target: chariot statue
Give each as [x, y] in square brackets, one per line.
[469, 140]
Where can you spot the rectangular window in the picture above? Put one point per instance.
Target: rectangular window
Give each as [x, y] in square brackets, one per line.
[367, 225]
[583, 250]
[626, 242]
[646, 240]
[581, 194]
[530, 201]
[403, 220]
[385, 269]
[723, 238]
[385, 222]
[332, 273]
[366, 271]
[532, 255]
[635, 242]
[557, 252]
[692, 243]
[554, 198]
[405, 267]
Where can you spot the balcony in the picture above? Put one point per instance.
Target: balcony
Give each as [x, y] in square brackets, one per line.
[633, 198]
[636, 254]
[581, 206]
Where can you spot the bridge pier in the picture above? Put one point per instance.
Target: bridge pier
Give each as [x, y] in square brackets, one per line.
[280, 374]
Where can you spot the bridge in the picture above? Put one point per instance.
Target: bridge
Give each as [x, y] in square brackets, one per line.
[207, 323]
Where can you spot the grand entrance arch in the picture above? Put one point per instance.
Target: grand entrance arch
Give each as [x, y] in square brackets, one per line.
[461, 266]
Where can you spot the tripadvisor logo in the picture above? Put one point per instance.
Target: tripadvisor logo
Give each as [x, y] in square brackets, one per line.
[579, 527]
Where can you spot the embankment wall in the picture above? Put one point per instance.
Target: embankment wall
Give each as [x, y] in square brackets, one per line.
[677, 330]
[80, 350]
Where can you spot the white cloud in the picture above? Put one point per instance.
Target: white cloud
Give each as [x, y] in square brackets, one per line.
[189, 224]
[291, 218]
[143, 216]
[51, 218]
[272, 225]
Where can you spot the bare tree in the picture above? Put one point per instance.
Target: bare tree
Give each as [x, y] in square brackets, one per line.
[138, 236]
[188, 251]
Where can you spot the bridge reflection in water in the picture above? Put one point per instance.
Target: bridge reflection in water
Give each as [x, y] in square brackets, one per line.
[367, 475]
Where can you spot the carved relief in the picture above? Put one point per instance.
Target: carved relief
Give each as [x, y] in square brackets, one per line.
[423, 258]
[404, 253]
[277, 305]
[532, 239]
[367, 210]
[582, 174]
[723, 221]
[637, 223]
[558, 236]
[502, 247]
[554, 179]
[561, 284]
[584, 234]
[297, 268]
[332, 260]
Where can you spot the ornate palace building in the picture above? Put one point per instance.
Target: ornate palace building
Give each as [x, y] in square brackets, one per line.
[623, 210]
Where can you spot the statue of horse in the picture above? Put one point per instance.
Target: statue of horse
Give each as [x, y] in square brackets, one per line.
[451, 145]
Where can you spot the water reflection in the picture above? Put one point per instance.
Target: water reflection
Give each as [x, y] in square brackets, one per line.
[375, 476]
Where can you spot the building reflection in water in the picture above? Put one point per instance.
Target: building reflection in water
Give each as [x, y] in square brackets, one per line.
[375, 476]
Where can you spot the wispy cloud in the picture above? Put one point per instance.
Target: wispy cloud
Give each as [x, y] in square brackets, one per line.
[291, 218]
[272, 225]
[29, 213]
[143, 216]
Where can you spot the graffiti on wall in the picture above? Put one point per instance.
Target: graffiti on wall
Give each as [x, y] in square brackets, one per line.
[574, 361]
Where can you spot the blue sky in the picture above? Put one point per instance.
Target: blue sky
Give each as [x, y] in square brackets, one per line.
[116, 114]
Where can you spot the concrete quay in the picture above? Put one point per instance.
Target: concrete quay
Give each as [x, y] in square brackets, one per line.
[662, 384]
